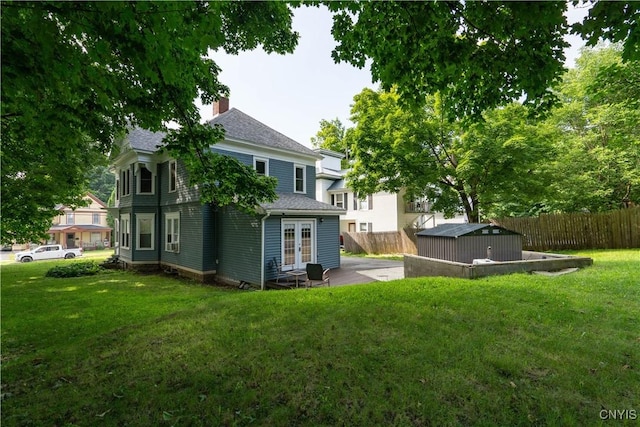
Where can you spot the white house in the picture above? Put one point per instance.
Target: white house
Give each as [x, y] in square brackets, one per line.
[376, 212]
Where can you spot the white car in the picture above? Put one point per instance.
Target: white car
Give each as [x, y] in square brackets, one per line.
[47, 252]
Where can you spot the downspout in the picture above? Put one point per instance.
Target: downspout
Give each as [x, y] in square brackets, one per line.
[262, 251]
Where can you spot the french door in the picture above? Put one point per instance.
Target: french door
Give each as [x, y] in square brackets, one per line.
[298, 243]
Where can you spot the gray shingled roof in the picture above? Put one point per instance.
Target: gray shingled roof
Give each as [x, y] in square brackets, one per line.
[144, 140]
[237, 125]
[300, 202]
[241, 126]
[458, 230]
[340, 184]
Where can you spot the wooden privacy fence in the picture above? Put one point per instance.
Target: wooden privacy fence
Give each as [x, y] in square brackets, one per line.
[391, 242]
[609, 230]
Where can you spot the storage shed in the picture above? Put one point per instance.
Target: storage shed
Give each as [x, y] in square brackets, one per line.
[466, 242]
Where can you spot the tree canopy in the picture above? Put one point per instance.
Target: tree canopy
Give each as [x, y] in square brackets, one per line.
[584, 156]
[598, 163]
[477, 55]
[76, 75]
[470, 168]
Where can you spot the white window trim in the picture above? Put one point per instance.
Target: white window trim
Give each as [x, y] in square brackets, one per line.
[125, 228]
[338, 203]
[266, 164]
[139, 181]
[118, 189]
[116, 226]
[367, 225]
[304, 179]
[168, 219]
[152, 217]
[125, 182]
[173, 162]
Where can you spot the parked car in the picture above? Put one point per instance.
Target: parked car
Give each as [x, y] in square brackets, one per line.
[48, 252]
[7, 248]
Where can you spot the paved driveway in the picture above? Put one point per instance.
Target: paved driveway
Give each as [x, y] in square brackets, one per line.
[355, 270]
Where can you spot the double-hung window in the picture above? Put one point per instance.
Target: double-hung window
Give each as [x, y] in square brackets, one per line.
[339, 200]
[172, 232]
[125, 230]
[299, 185]
[125, 182]
[261, 166]
[145, 181]
[366, 227]
[145, 226]
[71, 218]
[366, 204]
[95, 219]
[173, 175]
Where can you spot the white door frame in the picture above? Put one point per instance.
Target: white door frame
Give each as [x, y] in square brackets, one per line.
[298, 244]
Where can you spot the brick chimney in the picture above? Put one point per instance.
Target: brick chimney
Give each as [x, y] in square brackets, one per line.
[220, 106]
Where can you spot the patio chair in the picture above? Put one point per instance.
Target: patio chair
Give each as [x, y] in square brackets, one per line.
[315, 273]
[277, 269]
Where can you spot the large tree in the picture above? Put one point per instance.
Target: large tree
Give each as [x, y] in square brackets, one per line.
[598, 163]
[459, 166]
[75, 75]
[477, 54]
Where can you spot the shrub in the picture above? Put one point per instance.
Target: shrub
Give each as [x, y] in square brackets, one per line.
[76, 269]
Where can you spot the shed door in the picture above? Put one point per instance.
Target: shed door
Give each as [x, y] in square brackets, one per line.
[298, 243]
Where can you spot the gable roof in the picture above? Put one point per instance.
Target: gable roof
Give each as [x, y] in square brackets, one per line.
[241, 126]
[89, 195]
[237, 126]
[458, 230]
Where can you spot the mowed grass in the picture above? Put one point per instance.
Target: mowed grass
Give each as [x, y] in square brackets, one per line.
[128, 349]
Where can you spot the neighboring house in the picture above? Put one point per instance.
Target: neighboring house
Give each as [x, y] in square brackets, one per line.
[377, 212]
[83, 227]
[162, 223]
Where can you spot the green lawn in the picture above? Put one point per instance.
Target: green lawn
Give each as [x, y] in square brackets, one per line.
[127, 349]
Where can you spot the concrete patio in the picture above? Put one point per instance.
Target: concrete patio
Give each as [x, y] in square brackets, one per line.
[356, 270]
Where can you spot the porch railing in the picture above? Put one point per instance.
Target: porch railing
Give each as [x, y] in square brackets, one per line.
[418, 206]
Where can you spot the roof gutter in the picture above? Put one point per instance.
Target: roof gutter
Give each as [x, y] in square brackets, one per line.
[297, 212]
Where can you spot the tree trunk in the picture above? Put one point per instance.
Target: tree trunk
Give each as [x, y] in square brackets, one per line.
[470, 204]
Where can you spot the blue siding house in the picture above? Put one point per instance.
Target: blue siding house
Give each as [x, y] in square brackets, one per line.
[161, 223]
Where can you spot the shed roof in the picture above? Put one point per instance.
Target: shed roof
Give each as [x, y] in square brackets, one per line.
[458, 230]
[340, 184]
[300, 203]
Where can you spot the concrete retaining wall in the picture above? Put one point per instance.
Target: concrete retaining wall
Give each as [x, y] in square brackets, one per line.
[417, 266]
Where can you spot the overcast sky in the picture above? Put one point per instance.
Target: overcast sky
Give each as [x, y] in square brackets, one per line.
[292, 93]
